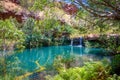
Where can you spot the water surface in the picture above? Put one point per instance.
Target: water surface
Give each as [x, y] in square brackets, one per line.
[45, 55]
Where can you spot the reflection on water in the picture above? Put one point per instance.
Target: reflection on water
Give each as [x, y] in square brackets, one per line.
[45, 55]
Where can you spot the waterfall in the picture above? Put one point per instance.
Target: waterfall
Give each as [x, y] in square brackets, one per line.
[71, 44]
[80, 42]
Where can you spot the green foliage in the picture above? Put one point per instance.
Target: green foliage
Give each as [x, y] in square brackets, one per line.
[9, 70]
[3, 70]
[7, 77]
[28, 30]
[10, 34]
[91, 71]
[61, 62]
[81, 14]
[92, 44]
[114, 77]
[102, 6]
[110, 43]
[40, 4]
[46, 32]
[115, 64]
[35, 5]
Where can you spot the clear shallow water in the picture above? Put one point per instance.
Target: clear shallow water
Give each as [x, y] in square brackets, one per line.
[45, 55]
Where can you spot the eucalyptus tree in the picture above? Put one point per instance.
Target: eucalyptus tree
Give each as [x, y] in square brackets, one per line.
[109, 9]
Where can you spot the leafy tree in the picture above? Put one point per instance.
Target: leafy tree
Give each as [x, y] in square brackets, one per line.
[10, 35]
[28, 27]
[102, 8]
[111, 43]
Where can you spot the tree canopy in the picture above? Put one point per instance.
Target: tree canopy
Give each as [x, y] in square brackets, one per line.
[109, 9]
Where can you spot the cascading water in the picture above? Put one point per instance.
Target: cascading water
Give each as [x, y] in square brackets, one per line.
[71, 44]
[80, 42]
[81, 45]
[77, 42]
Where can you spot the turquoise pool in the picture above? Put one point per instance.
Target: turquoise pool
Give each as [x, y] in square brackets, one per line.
[45, 55]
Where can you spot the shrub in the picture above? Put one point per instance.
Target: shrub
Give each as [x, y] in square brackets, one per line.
[114, 77]
[110, 43]
[90, 71]
[45, 32]
[61, 62]
[115, 64]
[10, 35]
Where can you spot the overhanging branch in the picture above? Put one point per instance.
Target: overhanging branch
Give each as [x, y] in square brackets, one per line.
[113, 14]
